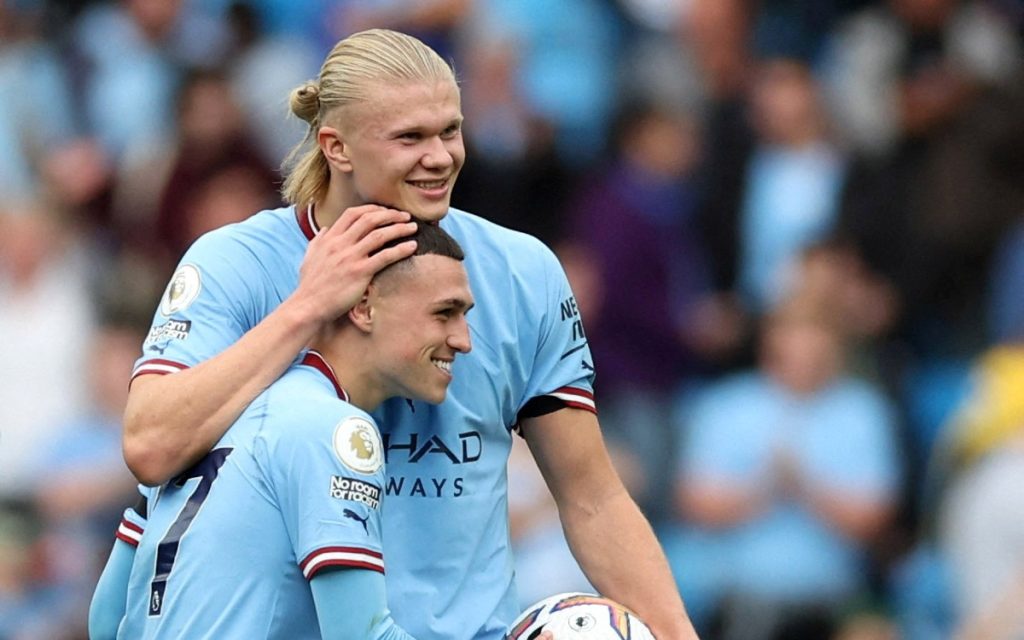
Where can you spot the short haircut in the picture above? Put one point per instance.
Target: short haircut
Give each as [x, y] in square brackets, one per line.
[430, 239]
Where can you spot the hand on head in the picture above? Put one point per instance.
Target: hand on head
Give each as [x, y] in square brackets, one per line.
[342, 259]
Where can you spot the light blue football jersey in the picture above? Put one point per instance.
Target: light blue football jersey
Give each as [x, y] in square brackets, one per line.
[294, 486]
[450, 566]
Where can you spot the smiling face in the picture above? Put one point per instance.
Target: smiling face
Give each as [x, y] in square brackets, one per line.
[419, 325]
[403, 147]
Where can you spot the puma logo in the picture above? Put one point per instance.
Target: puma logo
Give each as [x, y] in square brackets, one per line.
[348, 513]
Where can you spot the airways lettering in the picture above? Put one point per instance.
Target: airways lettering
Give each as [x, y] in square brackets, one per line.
[429, 488]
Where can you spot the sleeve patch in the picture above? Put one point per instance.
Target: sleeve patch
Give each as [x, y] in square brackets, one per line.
[357, 445]
[182, 290]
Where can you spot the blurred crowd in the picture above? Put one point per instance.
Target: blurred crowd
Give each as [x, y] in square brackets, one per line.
[795, 229]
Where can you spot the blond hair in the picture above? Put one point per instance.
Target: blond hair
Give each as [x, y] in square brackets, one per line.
[348, 76]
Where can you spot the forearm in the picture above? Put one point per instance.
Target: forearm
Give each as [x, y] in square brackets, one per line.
[173, 420]
[351, 604]
[111, 595]
[608, 535]
[625, 562]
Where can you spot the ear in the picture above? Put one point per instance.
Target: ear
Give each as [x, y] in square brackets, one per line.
[361, 315]
[333, 146]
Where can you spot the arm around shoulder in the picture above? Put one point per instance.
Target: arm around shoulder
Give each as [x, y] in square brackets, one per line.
[173, 420]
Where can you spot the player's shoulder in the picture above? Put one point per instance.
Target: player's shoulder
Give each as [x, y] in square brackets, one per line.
[264, 228]
[306, 406]
[476, 229]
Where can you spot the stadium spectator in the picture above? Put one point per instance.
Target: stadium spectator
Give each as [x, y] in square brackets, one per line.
[924, 93]
[981, 528]
[42, 269]
[517, 174]
[36, 107]
[566, 65]
[87, 483]
[25, 593]
[788, 475]
[213, 143]
[793, 184]
[130, 56]
[634, 219]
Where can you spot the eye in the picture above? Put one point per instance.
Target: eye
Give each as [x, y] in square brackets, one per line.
[451, 132]
[410, 136]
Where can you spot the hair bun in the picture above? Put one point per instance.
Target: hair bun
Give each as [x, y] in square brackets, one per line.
[305, 101]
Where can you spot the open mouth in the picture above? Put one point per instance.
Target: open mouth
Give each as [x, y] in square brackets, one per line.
[429, 185]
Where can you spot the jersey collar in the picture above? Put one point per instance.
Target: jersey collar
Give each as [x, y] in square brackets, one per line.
[307, 222]
[315, 360]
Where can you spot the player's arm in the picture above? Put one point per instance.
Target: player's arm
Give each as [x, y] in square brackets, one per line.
[173, 420]
[351, 604]
[110, 597]
[609, 536]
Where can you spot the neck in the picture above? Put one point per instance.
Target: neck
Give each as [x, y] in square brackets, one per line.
[340, 196]
[349, 358]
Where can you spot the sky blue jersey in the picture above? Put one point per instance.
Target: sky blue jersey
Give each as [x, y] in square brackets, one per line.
[450, 568]
[293, 487]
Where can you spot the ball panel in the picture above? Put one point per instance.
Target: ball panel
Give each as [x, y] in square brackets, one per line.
[579, 616]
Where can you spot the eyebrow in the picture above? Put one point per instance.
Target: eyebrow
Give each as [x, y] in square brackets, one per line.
[459, 303]
[417, 128]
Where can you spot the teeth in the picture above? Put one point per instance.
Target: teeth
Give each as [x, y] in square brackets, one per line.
[443, 365]
[432, 184]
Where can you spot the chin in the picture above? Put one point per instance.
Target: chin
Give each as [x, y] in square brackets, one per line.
[436, 397]
[433, 213]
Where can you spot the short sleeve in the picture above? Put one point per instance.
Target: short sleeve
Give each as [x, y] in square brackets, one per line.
[212, 299]
[327, 478]
[563, 369]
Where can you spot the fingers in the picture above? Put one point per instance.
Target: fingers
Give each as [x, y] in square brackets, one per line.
[391, 255]
[342, 259]
[358, 221]
[367, 228]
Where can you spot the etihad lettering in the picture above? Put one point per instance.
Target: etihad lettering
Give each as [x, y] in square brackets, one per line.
[469, 447]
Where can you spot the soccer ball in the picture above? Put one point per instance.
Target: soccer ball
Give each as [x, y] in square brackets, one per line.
[582, 616]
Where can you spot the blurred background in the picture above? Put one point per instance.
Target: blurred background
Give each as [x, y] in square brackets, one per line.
[795, 229]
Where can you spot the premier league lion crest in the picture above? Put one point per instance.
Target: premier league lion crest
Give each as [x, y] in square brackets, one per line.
[357, 444]
[182, 290]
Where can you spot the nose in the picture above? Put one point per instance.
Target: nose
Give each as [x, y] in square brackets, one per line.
[459, 339]
[437, 155]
